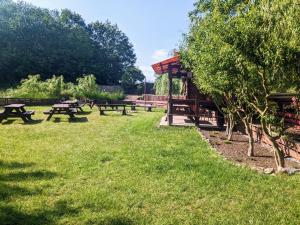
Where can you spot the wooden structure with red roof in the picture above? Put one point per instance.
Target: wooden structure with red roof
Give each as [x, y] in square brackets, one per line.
[195, 102]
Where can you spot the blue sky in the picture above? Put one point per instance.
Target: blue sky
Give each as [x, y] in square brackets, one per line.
[154, 27]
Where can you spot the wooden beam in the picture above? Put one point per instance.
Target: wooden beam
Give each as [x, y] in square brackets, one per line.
[170, 99]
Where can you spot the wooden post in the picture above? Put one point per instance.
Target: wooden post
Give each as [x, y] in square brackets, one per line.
[170, 100]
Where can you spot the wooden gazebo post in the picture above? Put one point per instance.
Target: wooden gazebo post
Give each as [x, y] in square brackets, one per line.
[170, 99]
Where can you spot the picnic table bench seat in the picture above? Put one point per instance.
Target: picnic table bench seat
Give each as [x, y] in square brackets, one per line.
[50, 111]
[112, 107]
[28, 114]
[148, 106]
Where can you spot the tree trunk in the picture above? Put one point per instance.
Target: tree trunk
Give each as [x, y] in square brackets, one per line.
[278, 154]
[230, 126]
[249, 132]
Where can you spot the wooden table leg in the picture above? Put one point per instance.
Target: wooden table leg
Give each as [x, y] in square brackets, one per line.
[50, 115]
[101, 111]
[20, 114]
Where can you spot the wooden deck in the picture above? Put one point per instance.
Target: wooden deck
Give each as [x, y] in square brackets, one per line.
[184, 121]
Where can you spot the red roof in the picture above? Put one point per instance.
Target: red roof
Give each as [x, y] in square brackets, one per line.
[163, 66]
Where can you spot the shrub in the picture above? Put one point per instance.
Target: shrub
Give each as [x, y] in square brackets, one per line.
[86, 87]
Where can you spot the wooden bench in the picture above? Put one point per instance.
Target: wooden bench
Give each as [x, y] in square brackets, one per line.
[28, 114]
[147, 106]
[111, 107]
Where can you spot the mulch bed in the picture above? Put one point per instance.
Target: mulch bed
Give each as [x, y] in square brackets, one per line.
[236, 150]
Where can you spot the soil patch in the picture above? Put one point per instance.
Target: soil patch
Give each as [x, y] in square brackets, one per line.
[236, 150]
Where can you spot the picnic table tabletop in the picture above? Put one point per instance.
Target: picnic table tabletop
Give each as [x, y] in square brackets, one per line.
[111, 104]
[14, 106]
[70, 102]
[60, 106]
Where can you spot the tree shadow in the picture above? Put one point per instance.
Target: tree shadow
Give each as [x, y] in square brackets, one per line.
[20, 176]
[15, 165]
[9, 189]
[10, 215]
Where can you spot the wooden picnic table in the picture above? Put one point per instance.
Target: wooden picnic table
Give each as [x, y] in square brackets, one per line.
[111, 107]
[61, 109]
[74, 104]
[16, 110]
[148, 107]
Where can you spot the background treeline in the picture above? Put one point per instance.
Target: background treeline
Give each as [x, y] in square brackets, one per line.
[56, 87]
[46, 42]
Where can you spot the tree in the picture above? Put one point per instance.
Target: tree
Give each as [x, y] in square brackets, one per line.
[267, 37]
[40, 41]
[131, 78]
[245, 55]
[113, 53]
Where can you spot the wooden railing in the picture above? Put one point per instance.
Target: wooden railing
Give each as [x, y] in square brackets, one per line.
[28, 101]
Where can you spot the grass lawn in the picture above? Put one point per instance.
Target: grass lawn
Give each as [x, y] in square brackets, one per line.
[124, 170]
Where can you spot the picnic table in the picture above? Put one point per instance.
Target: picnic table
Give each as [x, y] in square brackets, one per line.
[61, 109]
[112, 107]
[74, 104]
[16, 110]
[148, 107]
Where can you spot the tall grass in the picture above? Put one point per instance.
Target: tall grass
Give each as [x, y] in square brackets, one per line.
[34, 87]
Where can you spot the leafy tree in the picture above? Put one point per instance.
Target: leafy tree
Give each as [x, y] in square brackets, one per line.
[131, 78]
[40, 41]
[113, 53]
[247, 54]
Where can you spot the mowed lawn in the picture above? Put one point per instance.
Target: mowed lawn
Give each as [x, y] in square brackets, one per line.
[125, 170]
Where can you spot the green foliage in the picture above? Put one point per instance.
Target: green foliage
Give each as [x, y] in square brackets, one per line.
[131, 78]
[242, 51]
[161, 85]
[60, 43]
[55, 87]
[246, 52]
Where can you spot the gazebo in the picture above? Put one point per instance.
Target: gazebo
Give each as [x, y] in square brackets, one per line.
[195, 102]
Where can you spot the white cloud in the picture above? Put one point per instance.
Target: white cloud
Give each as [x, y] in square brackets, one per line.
[160, 55]
[148, 72]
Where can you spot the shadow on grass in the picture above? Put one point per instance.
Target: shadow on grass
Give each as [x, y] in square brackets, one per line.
[11, 215]
[30, 122]
[20, 176]
[8, 122]
[14, 165]
[71, 120]
[78, 120]
[84, 113]
[33, 122]
[9, 189]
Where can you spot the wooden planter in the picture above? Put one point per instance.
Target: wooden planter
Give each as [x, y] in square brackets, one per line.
[290, 148]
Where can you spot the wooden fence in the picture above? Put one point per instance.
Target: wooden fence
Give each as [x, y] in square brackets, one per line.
[161, 98]
[28, 101]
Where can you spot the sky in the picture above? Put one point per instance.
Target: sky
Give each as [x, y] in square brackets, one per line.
[154, 27]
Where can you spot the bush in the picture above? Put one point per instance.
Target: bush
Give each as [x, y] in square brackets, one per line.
[86, 87]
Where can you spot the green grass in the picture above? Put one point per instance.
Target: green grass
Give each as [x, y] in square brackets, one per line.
[124, 170]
